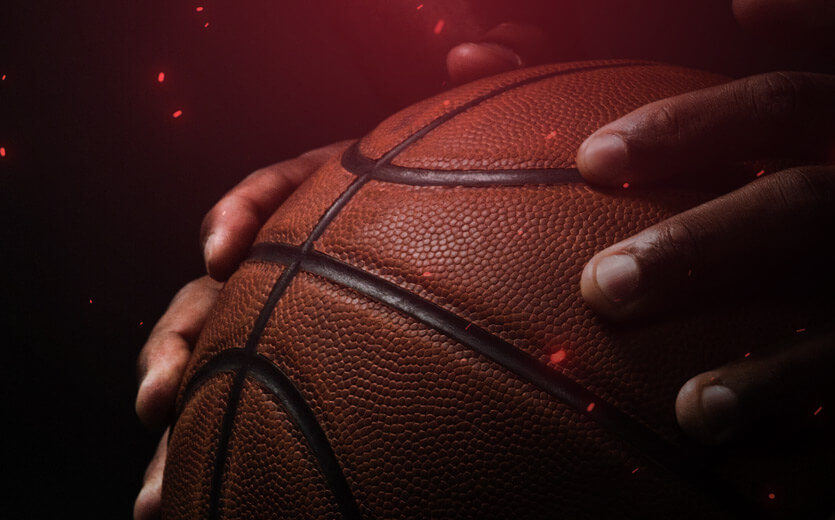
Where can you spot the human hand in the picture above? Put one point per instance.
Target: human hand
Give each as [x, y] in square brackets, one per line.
[778, 114]
[765, 222]
[227, 232]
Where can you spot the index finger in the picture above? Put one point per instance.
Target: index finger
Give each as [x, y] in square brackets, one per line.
[790, 114]
[229, 228]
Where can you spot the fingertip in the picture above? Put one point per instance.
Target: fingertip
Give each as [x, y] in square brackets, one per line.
[603, 159]
[608, 284]
[469, 61]
[154, 391]
[707, 410]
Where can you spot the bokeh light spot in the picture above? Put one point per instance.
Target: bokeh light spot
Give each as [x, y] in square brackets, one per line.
[177, 114]
[439, 26]
[161, 77]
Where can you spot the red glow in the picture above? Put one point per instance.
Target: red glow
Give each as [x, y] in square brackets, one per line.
[625, 185]
[2, 151]
[635, 470]
[800, 330]
[747, 354]
[91, 301]
[177, 114]
[427, 274]
[551, 135]
[206, 24]
[468, 326]
[161, 77]
[446, 102]
[420, 7]
[3, 77]
[590, 407]
[198, 9]
[818, 410]
[520, 232]
[772, 496]
[439, 26]
[557, 357]
[760, 173]
[141, 323]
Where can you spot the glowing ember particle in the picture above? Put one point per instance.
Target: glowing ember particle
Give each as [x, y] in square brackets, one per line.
[747, 354]
[198, 9]
[446, 102]
[427, 274]
[519, 232]
[439, 26]
[141, 323]
[590, 407]
[91, 301]
[551, 135]
[557, 356]
[468, 326]
[419, 7]
[2, 151]
[771, 496]
[625, 185]
[818, 410]
[3, 77]
[206, 24]
[161, 77]
[800, 330]
[177, 114]
[689, 273]
[635, 470]
[760, 173]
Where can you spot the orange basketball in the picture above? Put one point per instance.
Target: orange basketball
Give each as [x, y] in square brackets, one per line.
[407, 338]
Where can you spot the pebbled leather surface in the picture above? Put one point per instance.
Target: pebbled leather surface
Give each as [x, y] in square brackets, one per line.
[422, 426]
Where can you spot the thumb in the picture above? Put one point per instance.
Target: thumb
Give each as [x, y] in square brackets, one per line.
[505, 47]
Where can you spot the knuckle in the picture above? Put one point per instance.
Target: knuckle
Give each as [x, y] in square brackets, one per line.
[774, 97]
[810, 189]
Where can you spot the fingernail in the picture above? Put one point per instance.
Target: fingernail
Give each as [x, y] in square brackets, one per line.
[720, 407]
[209, 249]
[502, 53]
[604, 155]
[617, 278]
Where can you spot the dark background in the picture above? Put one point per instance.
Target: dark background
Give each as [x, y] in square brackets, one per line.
[102, 190]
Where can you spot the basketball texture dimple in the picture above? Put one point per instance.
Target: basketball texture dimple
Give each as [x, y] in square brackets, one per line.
[407, 338]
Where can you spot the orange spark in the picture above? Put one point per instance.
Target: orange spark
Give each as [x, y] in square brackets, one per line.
[557, 357]
[161, 77]
[206, 24]
[177, 114]
[2, 151]
[760, 173]
[625, 185]
[590, 407]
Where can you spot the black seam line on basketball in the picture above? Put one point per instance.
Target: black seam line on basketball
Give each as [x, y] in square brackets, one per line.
[356, 163]
[290, 398]
[395, 151]
[251, 347]
[522, 364]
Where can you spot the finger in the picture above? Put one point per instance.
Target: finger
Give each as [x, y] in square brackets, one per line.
[787, 18]
[163, 358]
[717, 406]
[148, 502]
[793, 113]
[229, 228]
[725, 240]
[506, 47]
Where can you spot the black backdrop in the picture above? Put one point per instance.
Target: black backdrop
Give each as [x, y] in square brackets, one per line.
[102, 190]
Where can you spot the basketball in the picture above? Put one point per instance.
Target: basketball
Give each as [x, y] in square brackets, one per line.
[407, 338]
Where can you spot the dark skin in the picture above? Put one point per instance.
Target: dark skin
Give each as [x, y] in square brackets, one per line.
[741, 119]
